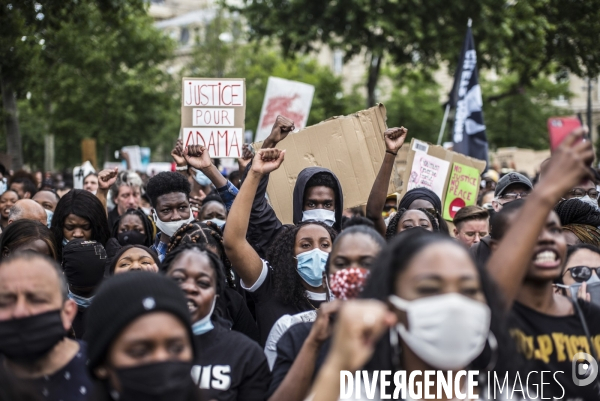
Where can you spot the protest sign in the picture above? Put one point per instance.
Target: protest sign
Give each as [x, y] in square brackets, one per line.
[212, 114]
[351, 146]
[417, 148]
[287, 98]
[462, 189]
[80, 172]
[429, 172]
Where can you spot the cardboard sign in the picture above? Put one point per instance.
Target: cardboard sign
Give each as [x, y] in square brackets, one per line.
[213, 112]
[438, 152]
[80, 172]
[351, 146]
[291, 99]
[462, 189]
[429, 172]
[526, 160]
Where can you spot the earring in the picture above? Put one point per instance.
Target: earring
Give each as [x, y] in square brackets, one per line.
[493, 342]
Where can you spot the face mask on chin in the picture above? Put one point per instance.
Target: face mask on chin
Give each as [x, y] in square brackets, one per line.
[30, 338]
[322, 215]
[446, 331]
[170, 227]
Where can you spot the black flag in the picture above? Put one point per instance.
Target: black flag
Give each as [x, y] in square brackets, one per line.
[468, 134]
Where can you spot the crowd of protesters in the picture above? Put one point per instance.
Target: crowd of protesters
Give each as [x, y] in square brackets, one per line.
[187, 286]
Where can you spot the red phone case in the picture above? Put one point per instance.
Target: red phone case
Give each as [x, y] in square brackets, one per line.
[559, 128]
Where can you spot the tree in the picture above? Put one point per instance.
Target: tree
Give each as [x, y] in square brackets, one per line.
[98, 73]
[529, 38]
[234, 58]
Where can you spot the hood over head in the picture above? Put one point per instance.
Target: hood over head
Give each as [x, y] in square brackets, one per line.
[303, 178]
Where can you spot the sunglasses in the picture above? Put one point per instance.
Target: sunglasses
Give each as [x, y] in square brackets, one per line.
[582, 273]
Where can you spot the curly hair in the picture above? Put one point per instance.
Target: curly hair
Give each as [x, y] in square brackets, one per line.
[392, 228]
[323, 179]
[149, 227]
[165, 183]
[576, 211]
[287, 285]
[215, 263]
[208, 233]
[85, 205]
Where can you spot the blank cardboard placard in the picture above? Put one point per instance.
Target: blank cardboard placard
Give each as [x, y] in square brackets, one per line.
[351, 146]
[416, 147]
[213, 111]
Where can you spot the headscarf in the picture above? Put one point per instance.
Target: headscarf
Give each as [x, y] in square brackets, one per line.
[586, 234]
[420, 193]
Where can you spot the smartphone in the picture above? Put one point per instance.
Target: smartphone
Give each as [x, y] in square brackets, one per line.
[559, 128]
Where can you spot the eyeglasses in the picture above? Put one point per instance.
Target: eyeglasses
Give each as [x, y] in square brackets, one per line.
[511, 196]
[582, 273]
[580, 193]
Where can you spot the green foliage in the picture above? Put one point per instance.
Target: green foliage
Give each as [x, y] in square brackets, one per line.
[520, 120]
[255, 63]
[98, 75]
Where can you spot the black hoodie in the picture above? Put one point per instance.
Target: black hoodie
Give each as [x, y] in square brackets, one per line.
[264, 224]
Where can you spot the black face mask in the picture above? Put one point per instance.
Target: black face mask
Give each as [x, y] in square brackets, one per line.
[32, 337]
[131, 238]
[168, 381]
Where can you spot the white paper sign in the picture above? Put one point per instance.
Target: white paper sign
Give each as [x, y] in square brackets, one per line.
[291, 99]
[80, 172]
[429, 172]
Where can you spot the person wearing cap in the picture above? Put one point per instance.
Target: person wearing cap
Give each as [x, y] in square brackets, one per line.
[83, 264]
[511, 187]
[35, 315]
[141, 340]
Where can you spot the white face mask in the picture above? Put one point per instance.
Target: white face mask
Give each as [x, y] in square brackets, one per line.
[170, 227]
[590, 201]
[446, 331]
[322, 215]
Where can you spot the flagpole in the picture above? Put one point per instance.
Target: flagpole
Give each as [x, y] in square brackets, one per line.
[443, 128]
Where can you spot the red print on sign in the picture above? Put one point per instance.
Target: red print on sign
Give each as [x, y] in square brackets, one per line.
[281, 105]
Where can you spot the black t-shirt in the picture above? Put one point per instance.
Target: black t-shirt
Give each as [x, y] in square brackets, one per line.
[230, 366]
[71, 383]
[548, 343]
[113, 216]
[269, 309]
[288, 348]
[239, 314]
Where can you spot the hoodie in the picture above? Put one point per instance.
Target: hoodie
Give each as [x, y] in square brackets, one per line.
[264, 225]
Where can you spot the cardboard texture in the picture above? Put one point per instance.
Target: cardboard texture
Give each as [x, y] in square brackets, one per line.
[213, 111]
[526, 160]
[350, 146]
[439, 152]
[463, 186]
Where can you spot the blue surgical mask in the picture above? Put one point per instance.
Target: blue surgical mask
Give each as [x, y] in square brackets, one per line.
[49, 214]
[205, 325]
[311, 266]
[65, 242]
[220, 223]
[81, 301]
[201, 178]
[322, 215]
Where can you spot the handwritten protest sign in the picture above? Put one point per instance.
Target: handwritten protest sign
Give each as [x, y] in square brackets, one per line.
[429, 172]
[462, 189]
[213, 113]
[288, 98]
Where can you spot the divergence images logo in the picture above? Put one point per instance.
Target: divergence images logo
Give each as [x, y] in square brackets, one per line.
[585, 369]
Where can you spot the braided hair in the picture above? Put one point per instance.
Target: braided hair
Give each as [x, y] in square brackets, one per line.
[207, 233]
[149, 227]
[215, 263]
[576, 211]
[287, 284]
[392, 228]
